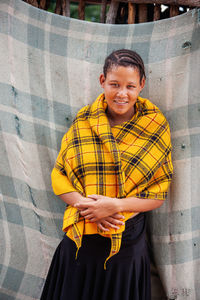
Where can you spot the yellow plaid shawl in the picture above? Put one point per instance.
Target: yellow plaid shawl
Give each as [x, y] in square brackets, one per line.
[130, 159]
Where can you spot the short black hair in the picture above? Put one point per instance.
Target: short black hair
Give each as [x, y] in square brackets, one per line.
[125, 58]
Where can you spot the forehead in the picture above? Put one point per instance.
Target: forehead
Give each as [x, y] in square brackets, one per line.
[121, 73]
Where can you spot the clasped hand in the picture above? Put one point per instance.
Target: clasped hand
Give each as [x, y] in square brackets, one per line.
[100, 210]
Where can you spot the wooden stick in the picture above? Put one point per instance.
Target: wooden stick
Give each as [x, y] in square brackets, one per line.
[58, 9]
[174, 11]
[81, 10]
[66, 8]
[112, 13]
[157, 10]
[42, 4]
[143, 10]
[122, 12]
[131, 13]
[32, 2]
[103, 11]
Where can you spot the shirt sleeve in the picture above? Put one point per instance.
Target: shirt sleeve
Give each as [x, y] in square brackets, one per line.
[60, 182]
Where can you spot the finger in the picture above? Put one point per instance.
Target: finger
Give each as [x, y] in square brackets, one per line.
[83, 205]
[81, 209]
[118, 216]
[114, 221]
[102, 227]
[108, 224]
[85, 212]
[94, 219]
[95, 197]
[89, 217]
[89, 200]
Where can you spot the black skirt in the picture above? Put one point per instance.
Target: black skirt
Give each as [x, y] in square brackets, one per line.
[127, 274]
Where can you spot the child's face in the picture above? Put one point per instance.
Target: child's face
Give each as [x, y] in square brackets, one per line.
[121, 87]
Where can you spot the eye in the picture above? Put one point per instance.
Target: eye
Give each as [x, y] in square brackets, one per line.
[131, 86]
[114, 84]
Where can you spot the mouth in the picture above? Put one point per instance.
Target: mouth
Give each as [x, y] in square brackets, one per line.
[120, 102]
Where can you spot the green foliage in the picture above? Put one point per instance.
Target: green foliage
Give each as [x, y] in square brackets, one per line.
[92, 12]
[52, 6]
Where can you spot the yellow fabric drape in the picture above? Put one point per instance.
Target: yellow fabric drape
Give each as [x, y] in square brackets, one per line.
[130, 159]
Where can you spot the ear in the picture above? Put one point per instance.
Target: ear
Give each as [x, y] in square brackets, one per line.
[102, 80]
[142, 84]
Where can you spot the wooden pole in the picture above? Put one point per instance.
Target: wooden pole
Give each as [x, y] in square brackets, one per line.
[122, 12]
[81, 10]
[103, 11]
[131, 13]
[66, 8]
[42, 4]
[174, 11]
[157, 10]
[32, 2]
[143, 10]
[58, 9]
[112, 13]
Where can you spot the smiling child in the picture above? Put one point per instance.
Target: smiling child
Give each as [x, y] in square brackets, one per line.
[114, 165]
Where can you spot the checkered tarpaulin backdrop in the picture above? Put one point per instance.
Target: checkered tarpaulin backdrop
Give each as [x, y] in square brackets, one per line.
[49, 68]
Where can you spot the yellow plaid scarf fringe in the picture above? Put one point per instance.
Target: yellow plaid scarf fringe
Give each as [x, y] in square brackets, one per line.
[130, 159]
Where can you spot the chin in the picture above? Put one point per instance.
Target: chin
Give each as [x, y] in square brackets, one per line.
[121, 113]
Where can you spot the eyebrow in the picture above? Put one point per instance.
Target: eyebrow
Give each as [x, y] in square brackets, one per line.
[130, 82]
[115, 80]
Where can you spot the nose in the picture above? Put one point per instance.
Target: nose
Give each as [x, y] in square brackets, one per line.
[122, 92]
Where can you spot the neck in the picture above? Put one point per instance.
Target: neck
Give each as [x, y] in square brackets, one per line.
[115, 119]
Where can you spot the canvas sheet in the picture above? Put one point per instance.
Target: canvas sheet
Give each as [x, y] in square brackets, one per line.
[49, 68]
